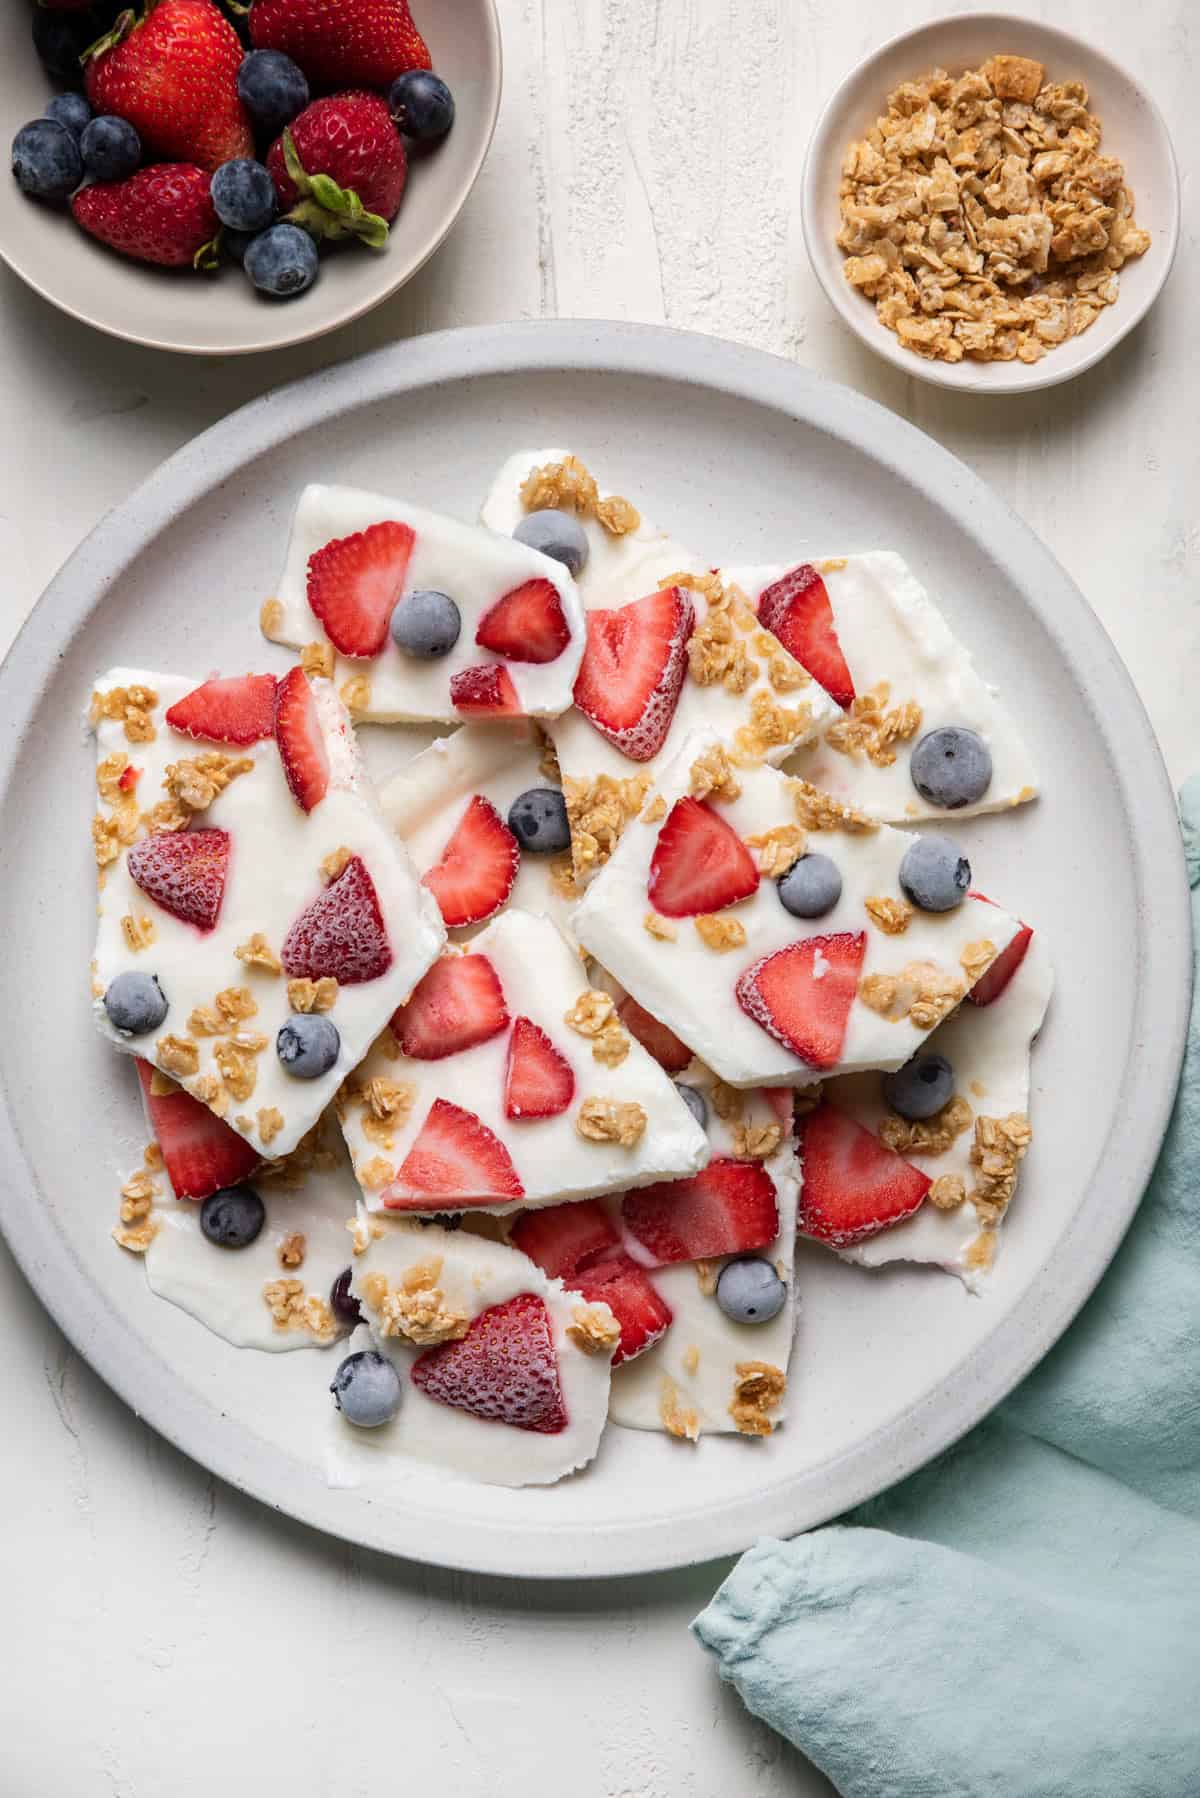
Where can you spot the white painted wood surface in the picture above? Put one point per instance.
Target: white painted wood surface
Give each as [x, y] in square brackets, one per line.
[164, 1634]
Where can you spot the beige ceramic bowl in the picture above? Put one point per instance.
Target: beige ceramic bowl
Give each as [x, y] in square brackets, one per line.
[1134, 131]
[222, 314]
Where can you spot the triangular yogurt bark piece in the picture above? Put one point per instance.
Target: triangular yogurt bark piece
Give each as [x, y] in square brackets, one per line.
[253, 878]
[354, 555]
[865, 627]
[687, 915]
[508, 1082]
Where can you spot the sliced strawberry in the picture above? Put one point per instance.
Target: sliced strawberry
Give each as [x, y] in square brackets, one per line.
[527, 625]
[202, 1154]
[615, 1279]
[632, 670]
[989, 988]
[796, 609]
[577, 1244]
[301, 745]
[700, 864]
[854, 1185]
[184, 872]
[342, 933]
[802, 994]
[459, 1003]
[475, 872]
[128, 778]
[667, 1049]
[564, 1238]
[485, 691]
[455, 1157]
[504, 1369]
[354, 583]
[538, 1079]
[725, 1209]
[782, 1101]
[238, 710]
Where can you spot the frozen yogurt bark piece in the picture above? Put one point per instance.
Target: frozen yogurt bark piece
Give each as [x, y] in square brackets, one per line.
[451, 804]
[688, 915]
[868, 631]
[354, 555]
[507, 1082]
[253, 878]
[971, 1149]
[504, 1374]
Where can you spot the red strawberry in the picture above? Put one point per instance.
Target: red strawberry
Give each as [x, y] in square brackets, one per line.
[354, 583]
[485, 692]
[577, 1244]
[802, 994]
[352, 42]
[301, 745]
[632, 670]
[504, 1369]
[184, 872]
[238, 710]
[201, 1153]
[853, 1184]
[796, 609]
[455, 1157]
[563, 1238]
[340, 168]
[538, 1081]
[667, 1049]
[700, 864]
[527, 625]
[128, 778]
[162, 214]
[342, 933]
[459, 1003]
[475, 872]
[992, 984]
[725, 1209]
[173, 75]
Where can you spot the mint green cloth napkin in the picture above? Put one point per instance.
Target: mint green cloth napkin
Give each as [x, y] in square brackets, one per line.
[1021, 1618]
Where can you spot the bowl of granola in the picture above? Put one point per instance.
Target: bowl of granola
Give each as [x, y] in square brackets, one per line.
[990, 203]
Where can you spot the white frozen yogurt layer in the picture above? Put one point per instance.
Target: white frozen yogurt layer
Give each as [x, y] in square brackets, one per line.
[475, 567]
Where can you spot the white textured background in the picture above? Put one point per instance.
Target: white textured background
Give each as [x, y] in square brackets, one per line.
[161, 1633]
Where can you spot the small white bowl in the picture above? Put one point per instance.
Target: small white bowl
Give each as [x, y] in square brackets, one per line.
[1134, 131]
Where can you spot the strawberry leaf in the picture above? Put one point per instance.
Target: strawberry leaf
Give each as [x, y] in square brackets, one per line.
[327, 210]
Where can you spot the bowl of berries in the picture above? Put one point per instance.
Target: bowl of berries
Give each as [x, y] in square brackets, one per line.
[218, 177]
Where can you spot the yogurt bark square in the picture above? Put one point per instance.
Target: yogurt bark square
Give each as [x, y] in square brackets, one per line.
[507, 1082]
[907, 690]
[353, 556]
[688, 915]
[248, 884]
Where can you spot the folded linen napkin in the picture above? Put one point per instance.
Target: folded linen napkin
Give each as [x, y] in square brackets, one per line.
[1021, 1618]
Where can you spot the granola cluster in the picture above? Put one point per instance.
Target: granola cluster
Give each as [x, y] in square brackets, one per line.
[718, 931]
[598, 811]
[818, 811]
[611, 1120]
[567, 486]
[594, 1016]
[139, 1226]
[927, 1136]
[130, 707]
[416, 1309]
[677, 1419]
[872, 727]
[997, 1152]
[757, 1391]
[980, 216]
[921, 991]
[292, 1308]
[594, 1329]
[775, 851]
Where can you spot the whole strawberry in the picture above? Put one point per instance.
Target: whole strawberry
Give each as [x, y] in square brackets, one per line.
[342, 43]
[162, 214]
[173, 75]
[340, 168]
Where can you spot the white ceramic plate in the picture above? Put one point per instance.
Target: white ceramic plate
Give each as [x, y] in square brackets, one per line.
[749, 459]
[1134, 130]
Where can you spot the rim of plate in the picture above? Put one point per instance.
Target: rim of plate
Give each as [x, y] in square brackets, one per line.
[1068, 1275]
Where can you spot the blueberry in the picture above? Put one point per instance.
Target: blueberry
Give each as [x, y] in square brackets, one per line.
[366, 1390]
[308, 1045]
[694, 1099]
[233, 1217]
[426, 624]
[236, 243]
[557, 534]
[811, 887]
[46, 160]
[273, 90]
[71, 111]
[749, 1290]
[422, 105]
[538, 820]
[951, 767]
[243, 195]
[445, 1220]
[934, 875]
[135, 1003]
[282, 261]
[921, 1087]
[342, 1301]
[60, 39]
[111, 148]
